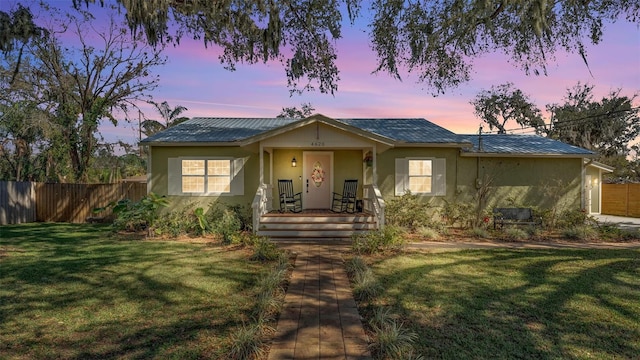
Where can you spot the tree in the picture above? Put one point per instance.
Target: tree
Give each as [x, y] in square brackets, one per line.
[23, 125]
[295, 113]
[503, 103]
[438, 40]
[606, 126]
[17, 28]
[170, 116]
[86, 85]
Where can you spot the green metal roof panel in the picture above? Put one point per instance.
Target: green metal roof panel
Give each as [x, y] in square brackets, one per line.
[405, 130]
[523, 144]
[419, 131]
[223, 130]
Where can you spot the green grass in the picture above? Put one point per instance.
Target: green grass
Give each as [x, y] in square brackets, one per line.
[510, 304]
[75, 291]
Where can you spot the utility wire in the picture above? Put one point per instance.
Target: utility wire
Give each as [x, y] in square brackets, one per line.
[564, 123]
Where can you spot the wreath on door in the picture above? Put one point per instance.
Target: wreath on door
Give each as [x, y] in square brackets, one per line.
[317, 174]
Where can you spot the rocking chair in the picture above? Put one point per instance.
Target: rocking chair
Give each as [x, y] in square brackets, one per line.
[288, 200]
[346, 202]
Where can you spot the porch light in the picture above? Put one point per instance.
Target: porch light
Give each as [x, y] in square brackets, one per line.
[595, 181]
[294, 163]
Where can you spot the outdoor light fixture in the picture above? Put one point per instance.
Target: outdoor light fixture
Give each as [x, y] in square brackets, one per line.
[294, 163]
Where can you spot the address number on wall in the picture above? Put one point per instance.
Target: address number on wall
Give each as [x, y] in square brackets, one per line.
[317, 143]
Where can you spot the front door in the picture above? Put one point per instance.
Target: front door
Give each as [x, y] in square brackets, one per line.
[317, 184]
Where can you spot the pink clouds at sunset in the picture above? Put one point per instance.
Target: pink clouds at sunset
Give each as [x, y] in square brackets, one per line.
[193, 77]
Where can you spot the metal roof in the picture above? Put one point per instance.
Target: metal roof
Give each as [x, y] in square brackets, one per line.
[223, 130]
[405, 130]
[226, 130]
[401, 130]
[522, 144]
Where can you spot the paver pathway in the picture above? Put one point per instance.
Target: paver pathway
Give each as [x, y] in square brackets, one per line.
[319, 319]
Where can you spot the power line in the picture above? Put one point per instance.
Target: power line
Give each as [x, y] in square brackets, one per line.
[564, 123]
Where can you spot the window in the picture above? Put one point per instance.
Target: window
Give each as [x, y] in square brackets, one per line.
[200, 176]
[212, 175]
[424, 176]
[420, 176]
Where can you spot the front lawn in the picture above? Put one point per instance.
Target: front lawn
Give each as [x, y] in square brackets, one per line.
[76, 291]
[516, 304]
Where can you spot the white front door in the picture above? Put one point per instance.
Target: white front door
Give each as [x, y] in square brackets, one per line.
[317, 177]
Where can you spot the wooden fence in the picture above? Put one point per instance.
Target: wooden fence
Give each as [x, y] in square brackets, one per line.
[621, 199]
[29, 202]
[17, 202]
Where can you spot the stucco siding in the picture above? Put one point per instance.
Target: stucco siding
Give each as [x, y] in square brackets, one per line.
[532, 182]
[386, 170]
[159, 173]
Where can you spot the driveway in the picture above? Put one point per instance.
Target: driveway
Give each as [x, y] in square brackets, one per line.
[628, 223]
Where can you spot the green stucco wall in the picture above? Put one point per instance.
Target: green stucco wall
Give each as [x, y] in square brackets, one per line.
[508, 181]
[530, 182]
[386, 169]
[534, 182]
[159, 177]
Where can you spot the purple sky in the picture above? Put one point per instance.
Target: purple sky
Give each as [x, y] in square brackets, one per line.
[194, 78]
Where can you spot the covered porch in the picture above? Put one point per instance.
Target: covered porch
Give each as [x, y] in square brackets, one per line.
[317, 157]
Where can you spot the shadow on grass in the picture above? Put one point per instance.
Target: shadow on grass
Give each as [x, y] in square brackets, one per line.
[543, 304]
[76, 291]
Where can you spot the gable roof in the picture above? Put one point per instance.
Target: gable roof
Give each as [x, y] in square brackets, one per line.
[392, 131]
[235, 130]
[508, 144]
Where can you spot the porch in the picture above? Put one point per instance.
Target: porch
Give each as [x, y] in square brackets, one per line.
[316, 223]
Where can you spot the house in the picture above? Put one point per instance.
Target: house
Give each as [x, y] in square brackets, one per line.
[238, 160]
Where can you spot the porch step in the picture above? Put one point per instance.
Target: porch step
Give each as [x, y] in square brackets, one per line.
[327, 226]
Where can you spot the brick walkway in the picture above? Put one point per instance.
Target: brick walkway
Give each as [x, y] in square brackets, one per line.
[319, 319]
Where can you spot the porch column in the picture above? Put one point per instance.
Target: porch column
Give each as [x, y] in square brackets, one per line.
[261, 165]
[375, 165]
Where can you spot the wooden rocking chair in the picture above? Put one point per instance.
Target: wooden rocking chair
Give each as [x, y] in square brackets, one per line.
[288, 200]
[346, 202]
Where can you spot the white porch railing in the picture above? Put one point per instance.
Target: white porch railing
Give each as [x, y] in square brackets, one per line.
[374, 203]
[261, 204]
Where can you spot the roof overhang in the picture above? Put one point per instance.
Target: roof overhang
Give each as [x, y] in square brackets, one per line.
[600, 166]
[524, 155]
[190, 143]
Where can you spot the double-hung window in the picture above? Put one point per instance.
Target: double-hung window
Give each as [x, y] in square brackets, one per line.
[205, 176]
[420, 175]
[425, 176]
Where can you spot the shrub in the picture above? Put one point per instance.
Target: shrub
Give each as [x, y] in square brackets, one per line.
[137, 215]
[173, 224]
[247, 343]
[393, 341]
[428, 233]
[515, 234]
[480, 233]
[408, 212]
[581, 232]
[571, 218]
[365, 285]
[461, 213]
[264, 250]
[227, 225]
[389, 238]
[355, 264]
[241, 214]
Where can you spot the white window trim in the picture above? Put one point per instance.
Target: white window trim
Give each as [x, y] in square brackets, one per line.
[438, 176]
[174, 178]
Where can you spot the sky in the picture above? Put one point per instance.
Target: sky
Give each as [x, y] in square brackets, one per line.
[194, 78]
